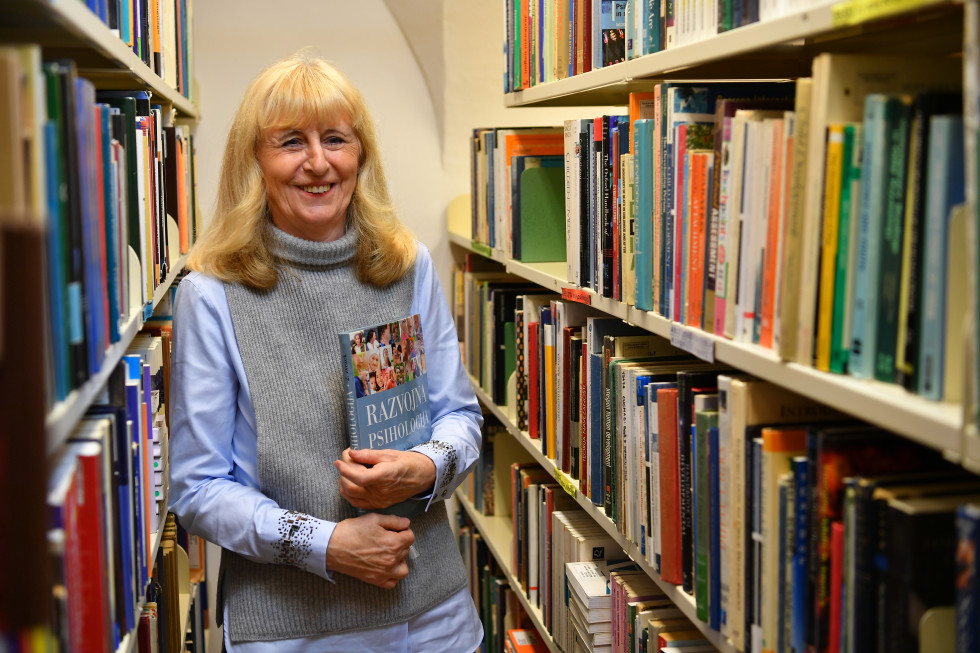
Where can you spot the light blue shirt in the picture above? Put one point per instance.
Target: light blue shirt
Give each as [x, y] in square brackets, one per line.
[214, 488]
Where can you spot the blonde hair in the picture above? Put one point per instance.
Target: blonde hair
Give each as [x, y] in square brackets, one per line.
[295, 92]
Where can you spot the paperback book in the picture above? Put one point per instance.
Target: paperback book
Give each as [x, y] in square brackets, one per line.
[386, 392]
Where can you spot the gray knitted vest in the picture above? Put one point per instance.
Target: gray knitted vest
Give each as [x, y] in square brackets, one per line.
[288, 339]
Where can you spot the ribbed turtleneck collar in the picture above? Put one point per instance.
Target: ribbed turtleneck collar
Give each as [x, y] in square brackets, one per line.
[311, 253]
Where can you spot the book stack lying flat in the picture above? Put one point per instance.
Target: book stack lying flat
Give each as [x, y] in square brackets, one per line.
[590, 602]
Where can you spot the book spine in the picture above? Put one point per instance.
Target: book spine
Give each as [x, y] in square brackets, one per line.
[349, 393]
[828, 255]
[967, 580]
[890, 262]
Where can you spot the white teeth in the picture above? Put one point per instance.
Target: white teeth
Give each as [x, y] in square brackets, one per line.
[317, 189]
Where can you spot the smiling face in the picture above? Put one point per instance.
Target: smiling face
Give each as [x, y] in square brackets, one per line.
[310, 174]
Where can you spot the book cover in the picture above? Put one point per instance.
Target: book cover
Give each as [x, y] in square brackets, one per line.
[944, 189]
[386, 391]
[967, 585]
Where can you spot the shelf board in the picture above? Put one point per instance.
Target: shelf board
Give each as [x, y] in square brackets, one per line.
[69, 29]
[498, 533]
[780, 48]
[683, 600]
[935, 424]
[61, 419]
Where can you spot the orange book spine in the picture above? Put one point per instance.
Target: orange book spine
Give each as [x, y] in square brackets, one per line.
[773, 229]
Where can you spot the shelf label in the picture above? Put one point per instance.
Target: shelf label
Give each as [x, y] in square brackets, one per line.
[855, 12]
[576, 295]
[693, 342]
[481, 249]
[566, 484]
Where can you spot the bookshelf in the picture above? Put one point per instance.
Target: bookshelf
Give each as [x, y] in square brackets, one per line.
[936, 424]
[778, 48]
[491, 527]
[61, 30]
[66, 413]
[498, 534]
[69, 29]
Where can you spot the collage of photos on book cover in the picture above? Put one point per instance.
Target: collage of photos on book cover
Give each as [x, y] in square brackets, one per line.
[387, 356]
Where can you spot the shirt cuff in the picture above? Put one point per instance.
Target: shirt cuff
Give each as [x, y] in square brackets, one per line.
[302, 542]
[446, 460]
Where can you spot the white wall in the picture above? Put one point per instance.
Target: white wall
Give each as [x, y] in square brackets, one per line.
[235, 39]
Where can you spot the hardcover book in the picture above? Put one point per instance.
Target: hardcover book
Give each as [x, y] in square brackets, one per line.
[386, 391]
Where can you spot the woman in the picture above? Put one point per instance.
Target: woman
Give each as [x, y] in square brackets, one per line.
[305, 245]
[357, 344]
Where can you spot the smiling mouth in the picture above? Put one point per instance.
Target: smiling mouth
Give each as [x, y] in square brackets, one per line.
[316, 190]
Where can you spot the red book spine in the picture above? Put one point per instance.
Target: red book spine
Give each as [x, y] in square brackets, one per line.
[583, 469]
[670, 507]
[565, 375]
[90, 539]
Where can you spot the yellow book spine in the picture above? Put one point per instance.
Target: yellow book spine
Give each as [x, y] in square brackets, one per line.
[828, 256]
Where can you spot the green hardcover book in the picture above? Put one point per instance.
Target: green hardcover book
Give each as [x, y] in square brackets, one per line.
[705, 417]
[899, 121]
[542, 215]
[849, 192]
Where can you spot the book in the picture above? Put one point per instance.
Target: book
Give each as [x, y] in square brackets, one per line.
[386, 393]
[967, 585]
[840, 84]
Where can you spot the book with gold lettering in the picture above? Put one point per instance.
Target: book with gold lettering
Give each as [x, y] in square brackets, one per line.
[385, 391]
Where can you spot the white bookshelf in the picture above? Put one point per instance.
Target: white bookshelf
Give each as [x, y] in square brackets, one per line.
[777, 48]
[498, 533]
[685, 602]
[65, 414]
[69, 28]
[936, 424]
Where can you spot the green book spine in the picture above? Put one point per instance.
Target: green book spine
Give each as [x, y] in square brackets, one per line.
[899, 116]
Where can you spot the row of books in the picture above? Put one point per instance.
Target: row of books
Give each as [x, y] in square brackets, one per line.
[549, 40]
[103, 548]
[158, 32]
[647, 435]
[616, 607]
[499, 607]
[817, 218]
[114, 177]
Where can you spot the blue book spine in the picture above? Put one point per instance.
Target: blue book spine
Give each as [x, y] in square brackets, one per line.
[945, 189]
[799, 567]
[654, 33]
[714, 534]
[642, 381]
[111, 220]
[91, 216]
[865, 306]
[967, 585]
[57, 282]
[643, 248]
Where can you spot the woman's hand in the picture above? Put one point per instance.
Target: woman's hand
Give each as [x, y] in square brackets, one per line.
[371, 548]
[377, 478]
